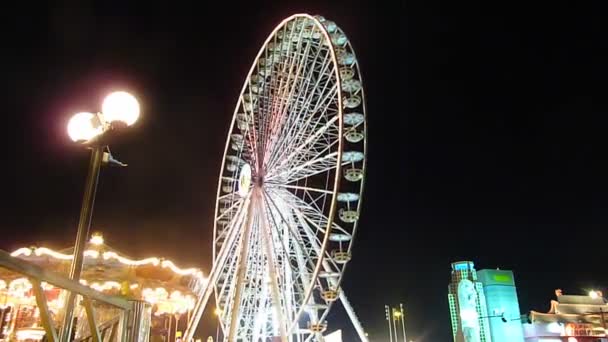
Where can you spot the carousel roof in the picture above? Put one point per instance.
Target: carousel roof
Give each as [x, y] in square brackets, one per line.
[154, 279]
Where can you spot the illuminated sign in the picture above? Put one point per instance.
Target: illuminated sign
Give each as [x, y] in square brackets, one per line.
[503, 278]
[579, 329]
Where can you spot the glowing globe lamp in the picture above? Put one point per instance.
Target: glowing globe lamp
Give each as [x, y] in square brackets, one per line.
[120, 106]
[81, 127]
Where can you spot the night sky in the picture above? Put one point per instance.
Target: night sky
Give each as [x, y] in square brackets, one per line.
[486, 138]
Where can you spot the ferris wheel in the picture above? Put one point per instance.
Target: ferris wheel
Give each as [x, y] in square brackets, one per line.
[290, 187]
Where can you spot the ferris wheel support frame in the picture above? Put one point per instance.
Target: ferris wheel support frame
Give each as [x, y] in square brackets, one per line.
[240, 276]
[341, 295]
[199, 308]
[276, 302]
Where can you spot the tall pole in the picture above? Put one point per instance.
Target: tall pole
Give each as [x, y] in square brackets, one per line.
[388, 319]
[84, 224]
[403, 322]
[395, 325]
[170, 325]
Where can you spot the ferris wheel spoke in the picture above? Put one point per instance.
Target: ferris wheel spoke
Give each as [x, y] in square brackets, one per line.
[306, 272]
[289, 84]
[301, 117]
[275, 92]
[303, 188]
[295, 101]
[283, 243]
[329, 128]
[325, 103]
[312, 213]
[304, 264]
[307, 169]
[228, 210]
[315, 124]
[279, 213]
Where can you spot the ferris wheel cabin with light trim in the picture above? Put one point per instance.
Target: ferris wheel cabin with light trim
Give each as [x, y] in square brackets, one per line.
[290, 186]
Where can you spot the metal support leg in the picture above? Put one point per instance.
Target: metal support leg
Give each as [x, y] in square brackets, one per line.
[45, 316]
[88, 307]
[349, 309]
[240, 275]
[353, 317]
[271, 272]
[199, 308]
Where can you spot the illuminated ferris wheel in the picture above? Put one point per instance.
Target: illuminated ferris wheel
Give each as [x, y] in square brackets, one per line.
[289, 193]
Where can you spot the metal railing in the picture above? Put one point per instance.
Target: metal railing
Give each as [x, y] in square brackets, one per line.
[37, 275]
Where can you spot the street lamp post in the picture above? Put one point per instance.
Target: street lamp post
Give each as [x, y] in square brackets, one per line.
[90, 129]
[403, 322]
[388, 319]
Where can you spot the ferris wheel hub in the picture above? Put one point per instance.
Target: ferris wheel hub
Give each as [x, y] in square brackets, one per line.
[244, 180]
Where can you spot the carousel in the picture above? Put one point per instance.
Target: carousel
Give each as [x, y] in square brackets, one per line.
[170, 290]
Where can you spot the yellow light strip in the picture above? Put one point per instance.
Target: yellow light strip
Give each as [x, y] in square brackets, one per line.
[187, 271]
[127, 261]
[108, 285]
[43, 250]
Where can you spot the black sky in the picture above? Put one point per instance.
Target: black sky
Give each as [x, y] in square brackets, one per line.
[486, 137]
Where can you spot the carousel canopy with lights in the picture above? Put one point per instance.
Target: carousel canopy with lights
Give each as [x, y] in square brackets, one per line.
[156, 280]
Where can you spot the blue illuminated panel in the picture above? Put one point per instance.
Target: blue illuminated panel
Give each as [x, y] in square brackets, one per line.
[501, 301]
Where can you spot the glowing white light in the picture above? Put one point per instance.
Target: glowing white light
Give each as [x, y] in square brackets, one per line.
[22, 251]
[43, 250]
[468, 315]
[154, 296]
[126, 261]
[91, 254]
[82, 128]
[108, 285]
[593, 294]
[555, 328]
[18, 287]
[572, 339]
[97, 239]
[120, 106]
[35, 334]
[180, 271]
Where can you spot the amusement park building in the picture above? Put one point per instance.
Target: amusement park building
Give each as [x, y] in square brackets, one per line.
[171, 291]
[502, 304]
[467, 305]
[483, 305]
[571, 318]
